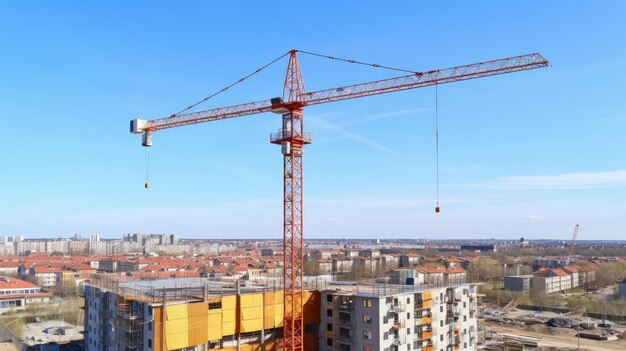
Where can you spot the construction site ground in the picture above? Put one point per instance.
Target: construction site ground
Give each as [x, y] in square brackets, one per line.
[561, 338]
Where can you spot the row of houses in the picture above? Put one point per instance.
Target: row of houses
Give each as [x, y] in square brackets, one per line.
[550, 280]
[427, 275]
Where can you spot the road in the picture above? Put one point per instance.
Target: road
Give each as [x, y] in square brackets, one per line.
[566, 339]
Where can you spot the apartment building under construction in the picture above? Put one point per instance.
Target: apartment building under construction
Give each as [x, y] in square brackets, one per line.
[196, 314]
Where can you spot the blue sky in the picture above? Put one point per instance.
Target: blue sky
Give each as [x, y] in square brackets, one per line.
[527, 154]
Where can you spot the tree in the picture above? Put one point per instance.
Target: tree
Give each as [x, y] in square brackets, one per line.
[483, 269]
[311, 268]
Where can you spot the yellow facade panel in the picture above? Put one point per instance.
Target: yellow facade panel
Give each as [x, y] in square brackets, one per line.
[251, 300]
[214, 325]
[197, 309]
[251, 325]
[177, 341]
[229, 302]
[228, 328]
[176, 312]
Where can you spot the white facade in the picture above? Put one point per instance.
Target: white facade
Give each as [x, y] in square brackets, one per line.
[361, 321]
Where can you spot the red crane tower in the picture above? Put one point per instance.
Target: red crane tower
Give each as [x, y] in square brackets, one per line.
[292, 138]
[573, 244]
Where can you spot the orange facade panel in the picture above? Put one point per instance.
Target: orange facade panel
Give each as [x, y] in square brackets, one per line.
[158, 328]
[311, 307]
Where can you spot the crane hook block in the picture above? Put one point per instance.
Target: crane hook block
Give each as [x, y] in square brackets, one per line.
[147, 186]
[437, 209]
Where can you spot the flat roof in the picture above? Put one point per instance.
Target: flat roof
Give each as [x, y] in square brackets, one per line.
[50, 331]
[385, 290]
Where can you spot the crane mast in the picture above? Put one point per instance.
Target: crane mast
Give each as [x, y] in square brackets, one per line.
[292, 138]
[573, 244]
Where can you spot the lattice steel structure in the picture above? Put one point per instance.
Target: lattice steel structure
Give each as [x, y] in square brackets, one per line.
[292, 138]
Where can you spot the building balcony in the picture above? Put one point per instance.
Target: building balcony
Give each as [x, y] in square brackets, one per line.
[399, 341]
[345, 322]
[346, 339]
[399, 324]
[397, 307]
[345, 307]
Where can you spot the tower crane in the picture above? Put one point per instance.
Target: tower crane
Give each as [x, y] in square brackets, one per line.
[573, 244]
[292, 138]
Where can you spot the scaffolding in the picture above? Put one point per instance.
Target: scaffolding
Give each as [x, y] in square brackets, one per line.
[128, 325]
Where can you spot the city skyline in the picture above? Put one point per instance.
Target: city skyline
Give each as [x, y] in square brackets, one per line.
[528, 154]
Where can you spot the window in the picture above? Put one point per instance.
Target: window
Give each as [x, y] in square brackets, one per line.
[329, 312]
[367, 303]
[408, 346]
[150, 343]
[408, 331]
[441, 337]
[309, 329]
[385, 335]
[408, 315]
[440, 308]
[329, 327]
[329, 341]
[464, 304]
[464, 318]
[367, 319]
[367, 335]
[215, 305]
[385, 320]
[149, 325]
[441, 323]
[329, 298]
[408, 300]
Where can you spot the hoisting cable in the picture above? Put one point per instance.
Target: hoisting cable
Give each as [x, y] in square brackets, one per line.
[357, 62]
[437, 209]
[229, 86]
[147, 166]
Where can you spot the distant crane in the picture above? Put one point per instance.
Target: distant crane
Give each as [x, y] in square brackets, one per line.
[573, 244]
[292, 138]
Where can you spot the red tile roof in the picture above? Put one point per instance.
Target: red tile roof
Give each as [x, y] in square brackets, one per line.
[12, 283]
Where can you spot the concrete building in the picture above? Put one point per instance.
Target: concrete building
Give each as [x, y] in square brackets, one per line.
[518, 283]
[479, 248]
[191, 314]
[196, 314]
[17, 294]
[396, 318]
[43, 276]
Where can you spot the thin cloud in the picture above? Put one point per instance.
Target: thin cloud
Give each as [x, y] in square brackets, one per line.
[387, 115]
[582, 180]
[609, 119]
[531, 218]
[234, 169]
[350, 135]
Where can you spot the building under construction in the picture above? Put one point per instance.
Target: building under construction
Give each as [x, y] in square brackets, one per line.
[200, 314]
